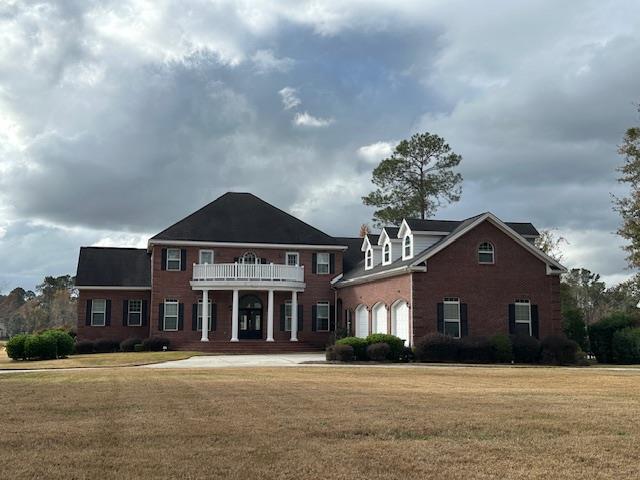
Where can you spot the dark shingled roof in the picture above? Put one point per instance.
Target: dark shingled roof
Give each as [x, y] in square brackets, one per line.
[244, 218]
[523, 228]
[353, 255]
[392, 232]
[113, 267]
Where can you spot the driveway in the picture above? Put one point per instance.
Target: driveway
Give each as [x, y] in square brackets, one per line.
[213, 361]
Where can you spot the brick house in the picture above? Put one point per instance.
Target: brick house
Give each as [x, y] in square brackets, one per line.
[241, 275]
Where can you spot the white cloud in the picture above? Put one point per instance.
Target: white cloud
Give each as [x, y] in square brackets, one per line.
[375, 152]
[289, 97]
[307, 120]
[265, 61]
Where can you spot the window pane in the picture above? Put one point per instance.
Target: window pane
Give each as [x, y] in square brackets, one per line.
[323, 324]
[135, 306]
[452, 311]
[522, 328]
[99, 305]
[485, 257]
[206, 257]
[173, 254]
[452, 328]
[292, 259]
[171, 309]
[171, 323]
[135, 319]
[322, 310]
[98, 319]
[522, 313]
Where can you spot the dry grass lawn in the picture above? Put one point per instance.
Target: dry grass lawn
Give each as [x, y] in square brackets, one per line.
[321, 423]
[120, 359]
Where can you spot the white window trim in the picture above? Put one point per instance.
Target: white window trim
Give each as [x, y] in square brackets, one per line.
[199, 315]
[103, 312]
[492, 251]
[327, 263]
[328, 317]
[296, 254]
[368, 259]
[404, 239]
[129, 312]
[452, 301]
[242, 261]
[528, 304]
[173, 260]
[177, 315]
[200, 252]
[386, 245]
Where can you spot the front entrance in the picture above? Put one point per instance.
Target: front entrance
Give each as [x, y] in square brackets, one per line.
[250, 317]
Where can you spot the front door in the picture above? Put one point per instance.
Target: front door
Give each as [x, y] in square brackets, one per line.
[250, 318]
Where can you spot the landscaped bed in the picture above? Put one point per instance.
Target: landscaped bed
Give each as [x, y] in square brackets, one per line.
[321, 422]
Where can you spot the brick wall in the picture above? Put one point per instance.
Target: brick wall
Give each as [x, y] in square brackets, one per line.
[115, 331]
[486, 289]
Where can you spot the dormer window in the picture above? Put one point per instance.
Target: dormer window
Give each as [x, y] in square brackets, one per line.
[386, 253]
[486, 253]
[368, 258]
[407, 247]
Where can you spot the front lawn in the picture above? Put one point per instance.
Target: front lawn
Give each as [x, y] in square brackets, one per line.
[119, 359]
[321, 422]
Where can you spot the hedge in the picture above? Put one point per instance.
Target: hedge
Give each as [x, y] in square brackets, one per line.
[358, 344]
[84, 347]
[437, 348]
[475, 350]
[601, 335]
[129, 344]
[396, 344]
[501, 348]
[526, 349]
[626, 346]
[559, 350]
[379, 352]
[15, 346]
[155, 344]
[343, 353]
[47, 345]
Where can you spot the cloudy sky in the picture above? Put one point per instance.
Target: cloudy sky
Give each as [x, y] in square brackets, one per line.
[119, 117]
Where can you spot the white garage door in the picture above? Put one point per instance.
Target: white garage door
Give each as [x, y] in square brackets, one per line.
[362, 321]
[400, 321]
[380, 318]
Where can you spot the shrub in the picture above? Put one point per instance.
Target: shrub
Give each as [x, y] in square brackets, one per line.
[330, 353]
[155, 344]
[64, 342]
[378, 352]
[601, 335]
[138, 347]
[40, 346]
[437, 348]
[396, 344]
[15, 346]
[526, 349]
[129, 344]
[406, 355]
[501, 349]
[626, 345]
[84, 346]
[106, 346]
[575, 328]
[344, 353]
[475, 350]
[358, 344]
[559, 350]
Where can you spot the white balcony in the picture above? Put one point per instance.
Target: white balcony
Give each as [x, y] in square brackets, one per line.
[250, 276]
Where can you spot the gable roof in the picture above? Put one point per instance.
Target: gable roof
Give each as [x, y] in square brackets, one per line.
[244, 218]
[113, 267]
[448, 226]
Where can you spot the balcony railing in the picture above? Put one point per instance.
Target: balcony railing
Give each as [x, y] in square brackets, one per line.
[271, 272]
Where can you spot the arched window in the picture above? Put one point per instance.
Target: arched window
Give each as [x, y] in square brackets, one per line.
[249, 257]
[486, 253]
[386, 253]
[406, 246]
[368, 258]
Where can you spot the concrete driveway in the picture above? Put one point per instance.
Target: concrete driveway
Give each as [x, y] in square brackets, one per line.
[216, 361]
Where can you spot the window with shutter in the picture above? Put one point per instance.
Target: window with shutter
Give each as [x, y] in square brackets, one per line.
[170, 321]
[452, 316]
[98, 312]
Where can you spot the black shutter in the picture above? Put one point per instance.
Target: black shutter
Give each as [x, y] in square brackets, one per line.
[440, 318]
[263, 261]
[87, 320]
[464, 322]
[535, 322]
[283, 312]
[145, 313]
[314, 317]
[194, 317]
[512, 319]
[107, 320]
[180, 316]
[214, 316]
[125, 312]
[314, 261]
[235, 259]
[183, 259]
[332, 263]
[300, 310]
[332, 318]
[164, 259]
[161, 316]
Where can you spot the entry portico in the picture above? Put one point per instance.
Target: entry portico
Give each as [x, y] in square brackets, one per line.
[237, 277]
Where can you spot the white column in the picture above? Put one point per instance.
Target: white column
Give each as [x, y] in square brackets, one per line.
[234, 317]
[205, 316]
[270, 317]
[294, 316]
